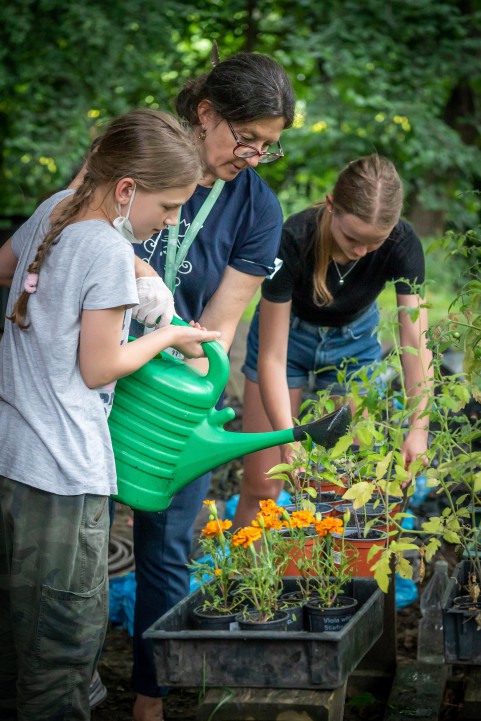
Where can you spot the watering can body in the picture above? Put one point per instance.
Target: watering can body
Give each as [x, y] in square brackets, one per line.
[166, 431]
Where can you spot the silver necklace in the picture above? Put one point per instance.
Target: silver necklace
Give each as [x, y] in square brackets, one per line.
[341, 277]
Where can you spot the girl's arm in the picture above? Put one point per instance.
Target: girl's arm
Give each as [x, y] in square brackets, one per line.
[274, 323]
[8, 263]
[272, 361]
[102, 359]
[143, 269]
[418, 375]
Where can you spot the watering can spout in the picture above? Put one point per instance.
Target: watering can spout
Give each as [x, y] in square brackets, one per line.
[210, 445]
[166, 431]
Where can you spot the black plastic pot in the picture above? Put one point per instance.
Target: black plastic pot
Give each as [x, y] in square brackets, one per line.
[320, 497]
[254, 621]
[329, 618]
[328, 497]
[293, 603]
[462, 637]
[366, 513]
[296, 498]
[211, 620]
[466, 602]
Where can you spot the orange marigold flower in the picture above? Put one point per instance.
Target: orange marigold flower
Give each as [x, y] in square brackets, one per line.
[302, 519]
[269, 507]
[268, 521]
[329, 525]
[215, 528]
[245, 536]
[218, 572]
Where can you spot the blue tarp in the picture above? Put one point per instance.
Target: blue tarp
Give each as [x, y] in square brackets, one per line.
[122, 600]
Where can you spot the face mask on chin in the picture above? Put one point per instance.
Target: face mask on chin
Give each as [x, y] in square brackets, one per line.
[123, 224]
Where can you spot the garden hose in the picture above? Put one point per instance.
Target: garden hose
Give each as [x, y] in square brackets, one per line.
[121, 556]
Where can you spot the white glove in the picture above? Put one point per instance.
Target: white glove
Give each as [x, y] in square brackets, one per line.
[155, 300]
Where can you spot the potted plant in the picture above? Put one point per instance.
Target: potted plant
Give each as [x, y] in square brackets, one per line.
[366, 477]
[455, 474]
[456, 481]
[247, 570]
[274, 542]
[224, 657]
[325, 571]
[261, 561]
[215, 571]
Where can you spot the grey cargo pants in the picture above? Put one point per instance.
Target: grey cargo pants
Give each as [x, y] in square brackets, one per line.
[53, 601]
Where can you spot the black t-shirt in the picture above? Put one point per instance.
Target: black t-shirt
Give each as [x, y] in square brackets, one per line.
[399, 257]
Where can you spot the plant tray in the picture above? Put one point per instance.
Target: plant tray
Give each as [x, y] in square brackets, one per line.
[265, 659]
[462, 635]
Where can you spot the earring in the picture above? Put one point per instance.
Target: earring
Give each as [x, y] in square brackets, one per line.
[202, 134]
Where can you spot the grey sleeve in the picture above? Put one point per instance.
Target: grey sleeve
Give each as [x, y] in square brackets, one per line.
[37, 225]
[110, 282]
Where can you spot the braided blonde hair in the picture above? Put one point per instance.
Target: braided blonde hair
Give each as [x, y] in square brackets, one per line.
[149, 146]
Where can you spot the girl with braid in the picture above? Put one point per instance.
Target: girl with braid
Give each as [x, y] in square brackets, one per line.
[73, 287]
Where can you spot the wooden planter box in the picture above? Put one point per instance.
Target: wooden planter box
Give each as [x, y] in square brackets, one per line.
[282, 659]
[462, 635]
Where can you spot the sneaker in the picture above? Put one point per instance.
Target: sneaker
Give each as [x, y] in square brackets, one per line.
[97, 691]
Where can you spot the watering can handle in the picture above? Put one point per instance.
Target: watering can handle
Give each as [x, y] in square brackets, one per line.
[219, 366]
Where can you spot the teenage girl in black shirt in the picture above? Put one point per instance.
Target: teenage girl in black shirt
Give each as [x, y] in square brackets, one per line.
[319, 310]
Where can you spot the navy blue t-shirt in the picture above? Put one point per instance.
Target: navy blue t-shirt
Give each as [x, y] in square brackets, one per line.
[243, 231]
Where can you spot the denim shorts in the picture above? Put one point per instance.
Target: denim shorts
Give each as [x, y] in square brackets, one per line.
[316, 353]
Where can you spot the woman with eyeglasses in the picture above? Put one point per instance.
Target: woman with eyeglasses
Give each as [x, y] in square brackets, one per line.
[319, 312]
[224, 245]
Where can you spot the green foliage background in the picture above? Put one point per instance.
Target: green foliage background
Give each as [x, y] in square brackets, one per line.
[402, 77]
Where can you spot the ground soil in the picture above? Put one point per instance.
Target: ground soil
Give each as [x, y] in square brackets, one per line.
[116, 661]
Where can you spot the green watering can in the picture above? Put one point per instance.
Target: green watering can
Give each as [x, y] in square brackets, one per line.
[166, 431]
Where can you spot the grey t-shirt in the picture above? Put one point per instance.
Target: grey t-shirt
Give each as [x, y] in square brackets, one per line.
[53, 428]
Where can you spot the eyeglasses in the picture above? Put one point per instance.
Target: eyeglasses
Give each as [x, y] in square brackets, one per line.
[242, 150]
